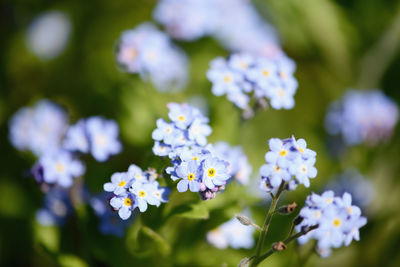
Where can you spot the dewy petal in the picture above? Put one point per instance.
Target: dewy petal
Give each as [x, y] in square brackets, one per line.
[183, 185]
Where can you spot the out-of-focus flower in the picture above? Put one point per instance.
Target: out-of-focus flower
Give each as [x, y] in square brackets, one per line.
[57, 207]
[103, 137]
[239, 167]
[76, 139]
[337, 219]
[110, 223]
[59, 167]
[38, 129]
[235, 23]
[150, 52]
[351, 181]
[289, 161]
[243, 75]
[233, 234]
[362, 116]
[49, 34]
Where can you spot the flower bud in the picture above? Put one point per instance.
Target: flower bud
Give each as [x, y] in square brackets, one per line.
[279, 246]
[243, 219]
[245, 262]
[287, 209]
[297, 220]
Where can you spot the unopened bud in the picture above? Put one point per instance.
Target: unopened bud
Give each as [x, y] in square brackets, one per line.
[245, 262]
[243, 219]
[279, 246]
[287, 209]
[297, 220]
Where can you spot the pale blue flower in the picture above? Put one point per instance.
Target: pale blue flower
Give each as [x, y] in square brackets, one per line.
[103, 136]
[144, 194]
[76, 139]
[124, 204]
[190, 172]
[199, 131]
[303, 170]
[163, 130]
[38, 129]
[181, 115]
[279, 153]
[61, 168]
[120, 182]
[215, 172]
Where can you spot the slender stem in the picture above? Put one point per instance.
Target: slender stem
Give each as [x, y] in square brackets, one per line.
[257, 260]
[267, 221]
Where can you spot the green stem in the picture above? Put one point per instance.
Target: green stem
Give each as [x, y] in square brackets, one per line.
[267, 221]
[257, 260]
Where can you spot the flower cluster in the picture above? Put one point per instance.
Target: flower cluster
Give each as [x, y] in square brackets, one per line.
[338, 221]
[362, 116]
[243, 74]
[235, 23]
[184, 140]
[233, 234]
[149, 52]
[44, 130]
[288, 161]
[135, 188]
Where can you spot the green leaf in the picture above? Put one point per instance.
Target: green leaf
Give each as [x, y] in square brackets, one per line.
[192, 211]
[68, 260]
[162, 245]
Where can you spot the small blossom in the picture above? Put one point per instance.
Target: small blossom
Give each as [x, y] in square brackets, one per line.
[103, 136]
[190, 173]
[60, 167]
[124, 204]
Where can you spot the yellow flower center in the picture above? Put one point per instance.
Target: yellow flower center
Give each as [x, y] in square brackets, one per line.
[227, 79]
[128, 202]
[276, 168]
[181, 118]
[131, 53]
[211, 172]
[300, 150]
[195, 158]
[244, 65]
[60, 167]
[283, 75]
[100, 140]
[265, 73]
[281, 92]
[142, 193]
[349, 210]
[190, 176]
[282, 153]
[168, 130]
[303, 169]
[317, 214]
[122, 183]
[337, 222]
[329, 200]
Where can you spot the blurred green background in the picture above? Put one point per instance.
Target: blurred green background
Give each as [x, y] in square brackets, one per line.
[336, 45]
